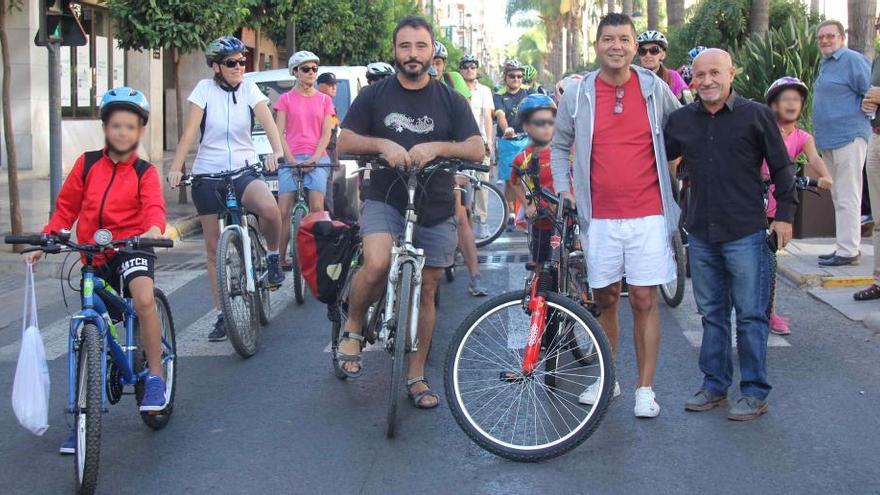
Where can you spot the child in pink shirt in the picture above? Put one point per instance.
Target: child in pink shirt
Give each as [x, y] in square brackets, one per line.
[786, 96]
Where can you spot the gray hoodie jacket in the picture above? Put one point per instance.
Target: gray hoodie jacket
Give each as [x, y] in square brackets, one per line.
[574, 128]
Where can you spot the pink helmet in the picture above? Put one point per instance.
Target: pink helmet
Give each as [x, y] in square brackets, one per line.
[783, 83]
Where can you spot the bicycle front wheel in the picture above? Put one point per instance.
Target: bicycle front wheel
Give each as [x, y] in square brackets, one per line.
[169, 364]
[238, 305]
[399, 343]
[496, 214]
[299, 282]
[517, 415]
[673, 292]
[88, 410]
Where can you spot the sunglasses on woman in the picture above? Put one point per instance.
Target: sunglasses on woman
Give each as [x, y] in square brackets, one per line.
[232, 63]
[653, 50]
[313, 68]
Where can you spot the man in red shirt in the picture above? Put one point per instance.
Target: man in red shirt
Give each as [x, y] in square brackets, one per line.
[614, 120]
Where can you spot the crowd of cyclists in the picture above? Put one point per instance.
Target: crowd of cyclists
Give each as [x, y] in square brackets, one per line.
[413, 111]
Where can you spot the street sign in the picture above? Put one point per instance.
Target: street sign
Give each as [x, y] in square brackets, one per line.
[59, 22]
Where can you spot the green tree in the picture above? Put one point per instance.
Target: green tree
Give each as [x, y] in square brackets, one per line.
[11, 161]
[267, 17]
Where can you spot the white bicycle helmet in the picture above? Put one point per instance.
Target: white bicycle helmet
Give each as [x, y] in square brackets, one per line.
[653, 37]
[440, 50]
[300, 58]
[380, 69]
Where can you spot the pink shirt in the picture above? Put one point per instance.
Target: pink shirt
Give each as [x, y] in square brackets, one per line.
[794, 143]
[305, 119]
[676, 83]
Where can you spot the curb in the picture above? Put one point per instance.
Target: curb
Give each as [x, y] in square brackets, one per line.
[184, 226]
[824, 281]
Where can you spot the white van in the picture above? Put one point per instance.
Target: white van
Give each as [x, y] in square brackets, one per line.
[350, 80]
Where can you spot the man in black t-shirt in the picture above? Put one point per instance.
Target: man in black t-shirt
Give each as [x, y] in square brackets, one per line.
[507, 100]
[410, 119]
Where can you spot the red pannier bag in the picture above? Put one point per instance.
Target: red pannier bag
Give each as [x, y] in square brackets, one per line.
[324, 248]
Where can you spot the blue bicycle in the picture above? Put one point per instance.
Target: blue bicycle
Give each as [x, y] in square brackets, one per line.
[101, 366]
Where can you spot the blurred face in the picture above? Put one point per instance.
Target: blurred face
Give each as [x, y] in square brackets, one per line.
[787, 106]
[616, 47]
[651, 55]
[713, 76]
[469, 71]
[328, 89]
[540, 126]
[307, 73]
[123, 131]
[413, 52]
[439, 66]
[234, 74]
[830, 40]
[514, 80]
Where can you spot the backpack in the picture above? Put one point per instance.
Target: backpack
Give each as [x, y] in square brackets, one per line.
[324, 248]
[91, 158]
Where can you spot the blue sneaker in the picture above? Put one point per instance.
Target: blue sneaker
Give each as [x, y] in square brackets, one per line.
[69, 445]
[276, 276]
[154, 394]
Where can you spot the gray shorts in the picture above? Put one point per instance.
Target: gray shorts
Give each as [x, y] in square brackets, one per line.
[439, 241]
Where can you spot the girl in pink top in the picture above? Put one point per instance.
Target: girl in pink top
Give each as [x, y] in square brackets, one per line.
[786, 97]
[305, 116]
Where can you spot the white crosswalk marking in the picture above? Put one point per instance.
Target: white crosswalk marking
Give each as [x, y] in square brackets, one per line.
[193, 340]
[55, 334]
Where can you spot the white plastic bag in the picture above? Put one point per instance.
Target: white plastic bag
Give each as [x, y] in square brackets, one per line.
[30, 391]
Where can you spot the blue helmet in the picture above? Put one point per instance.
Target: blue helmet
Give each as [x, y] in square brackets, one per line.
[223, 47]
[125, 98]
[692, 54]
[533, 103]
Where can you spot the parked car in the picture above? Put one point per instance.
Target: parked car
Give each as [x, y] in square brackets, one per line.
[350, 80]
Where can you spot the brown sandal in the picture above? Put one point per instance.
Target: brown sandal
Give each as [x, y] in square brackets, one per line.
[869, 294]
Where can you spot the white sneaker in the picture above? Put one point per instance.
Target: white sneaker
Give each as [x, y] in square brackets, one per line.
[484, 231]
[646, 406]
[589, 397]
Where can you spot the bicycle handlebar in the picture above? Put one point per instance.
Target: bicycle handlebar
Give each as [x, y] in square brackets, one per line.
[53, 240]
[437, 163]
[804, 182]
[188, 179]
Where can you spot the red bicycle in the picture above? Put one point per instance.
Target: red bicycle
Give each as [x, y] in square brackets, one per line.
[518, 364]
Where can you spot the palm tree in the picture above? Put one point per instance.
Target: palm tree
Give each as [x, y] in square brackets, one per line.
[653, 14]
[675, 13]
[861, 26]
[611, 6]
[11, 160]
[760, 18]
[628, 7]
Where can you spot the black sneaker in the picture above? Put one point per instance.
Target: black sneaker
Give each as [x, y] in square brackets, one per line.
[219, 332]
[276, 276]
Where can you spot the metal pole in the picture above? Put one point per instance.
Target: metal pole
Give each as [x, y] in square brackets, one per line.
[54, 121]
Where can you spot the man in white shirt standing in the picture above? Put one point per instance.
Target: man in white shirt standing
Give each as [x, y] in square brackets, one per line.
[483, 106]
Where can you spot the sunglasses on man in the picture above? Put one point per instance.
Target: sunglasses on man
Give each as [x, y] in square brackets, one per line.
[467, 67]
[231, 64]
[311, 68]
[514, 76]
[653, 50]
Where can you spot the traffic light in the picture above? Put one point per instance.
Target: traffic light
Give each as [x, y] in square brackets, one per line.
[59, 23]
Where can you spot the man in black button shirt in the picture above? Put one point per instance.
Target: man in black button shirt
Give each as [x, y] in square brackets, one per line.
[723, 140]
[410, 119]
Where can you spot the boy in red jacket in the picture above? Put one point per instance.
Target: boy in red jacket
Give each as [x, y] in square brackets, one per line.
[114, 190]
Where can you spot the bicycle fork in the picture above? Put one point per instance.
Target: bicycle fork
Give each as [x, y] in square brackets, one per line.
[537, 324]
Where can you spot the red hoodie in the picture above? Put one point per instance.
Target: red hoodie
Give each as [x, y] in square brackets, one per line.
[112, 197]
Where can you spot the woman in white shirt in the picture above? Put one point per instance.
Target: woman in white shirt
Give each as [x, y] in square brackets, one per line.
[223, 109]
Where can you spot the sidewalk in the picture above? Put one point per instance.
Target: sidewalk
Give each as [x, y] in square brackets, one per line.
[35, 202]
[832, 285]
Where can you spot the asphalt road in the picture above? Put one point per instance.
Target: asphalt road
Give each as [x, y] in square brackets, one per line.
[282, 423]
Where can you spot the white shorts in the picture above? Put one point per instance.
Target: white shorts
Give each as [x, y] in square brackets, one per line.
[635, 247]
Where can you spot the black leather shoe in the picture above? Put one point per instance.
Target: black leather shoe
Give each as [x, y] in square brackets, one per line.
[840, 261]
[828, 256]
